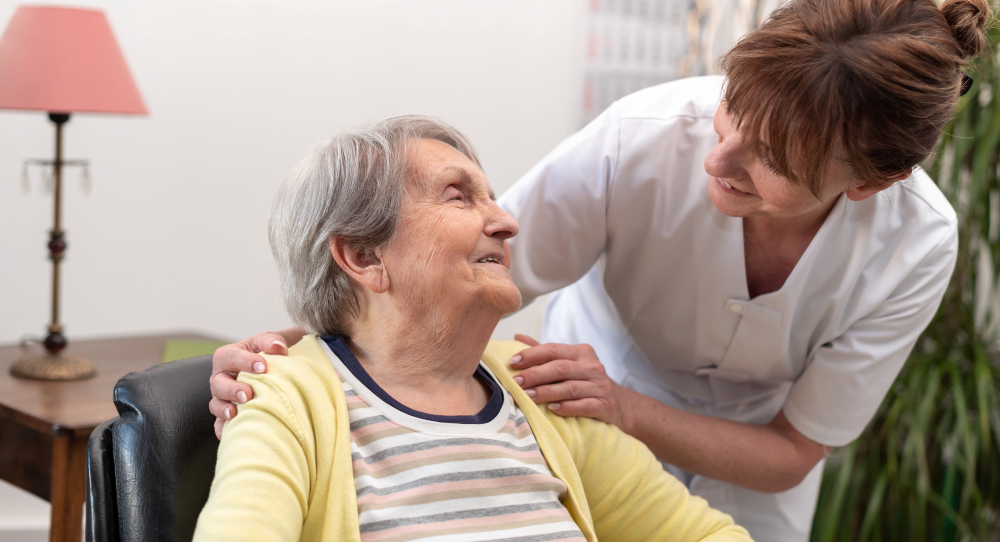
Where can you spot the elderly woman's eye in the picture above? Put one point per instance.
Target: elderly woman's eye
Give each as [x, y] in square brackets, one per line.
[454, 194]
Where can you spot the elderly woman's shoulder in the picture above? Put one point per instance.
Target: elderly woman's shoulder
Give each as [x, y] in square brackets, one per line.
[300, 398]
[496, 358]
[498, 352]
[305, 367]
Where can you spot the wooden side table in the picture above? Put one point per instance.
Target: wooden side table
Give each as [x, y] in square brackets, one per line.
[44, 426]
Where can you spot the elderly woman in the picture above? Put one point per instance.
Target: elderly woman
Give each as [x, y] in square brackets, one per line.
[399, 420]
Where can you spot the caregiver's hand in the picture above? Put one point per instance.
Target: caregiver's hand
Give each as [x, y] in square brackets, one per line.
[571, 379]
[229, 360]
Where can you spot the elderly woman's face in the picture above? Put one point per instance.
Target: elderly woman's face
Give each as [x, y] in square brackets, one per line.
[450, 247]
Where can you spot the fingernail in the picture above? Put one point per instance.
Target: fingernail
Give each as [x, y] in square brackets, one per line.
[228, 415]
[518, 380]
[554, 406]
[241, 396]
[258, 367]
[530, 393]
[278, 343]
[515, 360]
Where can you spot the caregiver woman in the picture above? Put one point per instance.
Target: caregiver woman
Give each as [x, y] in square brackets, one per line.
[752, 274]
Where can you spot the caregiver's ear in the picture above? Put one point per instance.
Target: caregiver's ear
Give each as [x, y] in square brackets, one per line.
[362, 266]
[867, 190]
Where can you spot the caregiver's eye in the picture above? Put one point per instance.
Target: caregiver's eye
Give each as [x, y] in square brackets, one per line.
[770, 165]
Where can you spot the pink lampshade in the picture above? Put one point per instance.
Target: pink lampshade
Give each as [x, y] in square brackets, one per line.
[64, 60]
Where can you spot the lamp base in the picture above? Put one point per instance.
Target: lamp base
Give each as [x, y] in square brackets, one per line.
[49, 367]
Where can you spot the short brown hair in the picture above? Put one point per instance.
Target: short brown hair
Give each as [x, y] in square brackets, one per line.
[867, 82]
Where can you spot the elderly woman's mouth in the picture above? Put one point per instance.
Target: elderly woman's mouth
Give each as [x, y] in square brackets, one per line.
[490, 257]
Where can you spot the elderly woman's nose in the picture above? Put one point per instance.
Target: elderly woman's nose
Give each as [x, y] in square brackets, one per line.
[501, 224]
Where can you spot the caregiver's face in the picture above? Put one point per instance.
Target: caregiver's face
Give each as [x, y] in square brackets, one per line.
[742, 183]
[450, 247]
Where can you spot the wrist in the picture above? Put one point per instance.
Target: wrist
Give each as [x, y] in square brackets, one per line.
[623, 403]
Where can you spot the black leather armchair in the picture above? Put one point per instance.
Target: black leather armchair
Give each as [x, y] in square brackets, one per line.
[150, 469]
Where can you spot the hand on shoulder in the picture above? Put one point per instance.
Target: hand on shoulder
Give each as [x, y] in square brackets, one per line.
[571, 379]
[231, 359]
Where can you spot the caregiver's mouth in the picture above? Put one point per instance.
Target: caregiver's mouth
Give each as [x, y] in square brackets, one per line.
[729, 188]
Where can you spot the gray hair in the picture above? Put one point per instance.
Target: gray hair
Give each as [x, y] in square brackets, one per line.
[351, 187]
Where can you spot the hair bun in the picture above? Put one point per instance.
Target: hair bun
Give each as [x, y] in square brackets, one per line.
[967, 20]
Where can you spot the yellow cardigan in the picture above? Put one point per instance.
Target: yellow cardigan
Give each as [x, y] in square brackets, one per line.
[284, 468]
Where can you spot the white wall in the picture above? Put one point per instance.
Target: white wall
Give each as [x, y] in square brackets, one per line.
[172, 235]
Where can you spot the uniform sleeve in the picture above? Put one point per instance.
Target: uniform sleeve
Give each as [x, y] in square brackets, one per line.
[561, 206]
[842, 386]
[261, 485]
[631, 497]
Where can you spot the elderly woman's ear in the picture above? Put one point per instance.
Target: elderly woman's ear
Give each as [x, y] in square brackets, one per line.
[363, 266]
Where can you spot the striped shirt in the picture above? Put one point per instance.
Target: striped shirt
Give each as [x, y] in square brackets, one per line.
[420, 476]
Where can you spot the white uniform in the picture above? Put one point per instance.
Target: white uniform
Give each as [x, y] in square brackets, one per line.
[618, 220]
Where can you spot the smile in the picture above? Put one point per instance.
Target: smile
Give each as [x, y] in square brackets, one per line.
[730, 189]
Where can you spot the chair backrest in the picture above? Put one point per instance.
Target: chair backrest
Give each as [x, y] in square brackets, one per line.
[155, 480]
[102, 506]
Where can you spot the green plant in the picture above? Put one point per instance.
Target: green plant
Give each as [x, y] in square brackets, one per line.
[928, 465]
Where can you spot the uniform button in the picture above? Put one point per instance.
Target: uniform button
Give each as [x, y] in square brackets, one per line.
[736, 308]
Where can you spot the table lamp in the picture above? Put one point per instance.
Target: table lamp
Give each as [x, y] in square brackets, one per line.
[62, 61]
